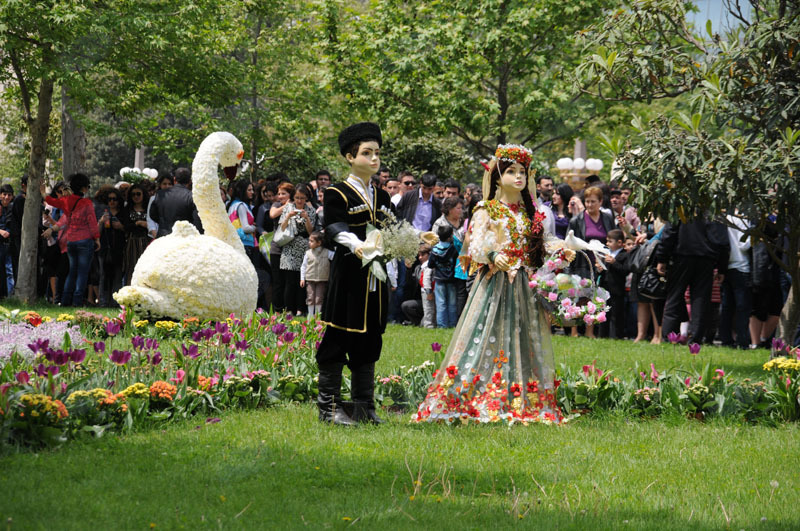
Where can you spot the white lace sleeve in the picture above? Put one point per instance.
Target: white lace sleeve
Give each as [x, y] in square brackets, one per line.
[483, 237]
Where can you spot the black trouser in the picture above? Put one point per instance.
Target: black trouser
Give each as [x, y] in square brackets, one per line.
[413, 311]
[293, 296]
[278, 282]
[352, 348]
[698, 274]
[616, 317]
[461, 295]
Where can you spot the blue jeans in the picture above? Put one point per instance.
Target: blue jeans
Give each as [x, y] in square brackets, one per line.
[80, 260]
[446, 304]
[5, 262]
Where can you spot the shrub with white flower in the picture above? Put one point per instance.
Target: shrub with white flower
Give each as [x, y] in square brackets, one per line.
[15, 337]
[568, 298]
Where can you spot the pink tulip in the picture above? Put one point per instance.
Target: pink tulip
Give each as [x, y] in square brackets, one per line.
[653, 373]
[180, 374]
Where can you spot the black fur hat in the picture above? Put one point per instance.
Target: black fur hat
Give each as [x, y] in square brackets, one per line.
[358, 132]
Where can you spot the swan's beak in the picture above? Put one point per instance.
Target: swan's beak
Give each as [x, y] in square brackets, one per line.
[240, 154]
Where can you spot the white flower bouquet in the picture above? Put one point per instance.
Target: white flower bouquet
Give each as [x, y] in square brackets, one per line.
[395, 239]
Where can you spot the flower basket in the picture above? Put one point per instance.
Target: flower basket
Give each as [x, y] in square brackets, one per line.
[568, 299]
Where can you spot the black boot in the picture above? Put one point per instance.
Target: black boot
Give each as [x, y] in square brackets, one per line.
[363, 392]
[328, 400]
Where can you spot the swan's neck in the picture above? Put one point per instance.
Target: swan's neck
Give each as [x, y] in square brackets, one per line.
[206, 195]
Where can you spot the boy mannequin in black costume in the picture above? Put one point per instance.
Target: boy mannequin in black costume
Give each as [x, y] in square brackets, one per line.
[355, 308]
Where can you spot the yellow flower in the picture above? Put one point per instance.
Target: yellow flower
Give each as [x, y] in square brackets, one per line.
[140, 324]
[47, 319]
[137, 390]
[346, 518]
[65, 317]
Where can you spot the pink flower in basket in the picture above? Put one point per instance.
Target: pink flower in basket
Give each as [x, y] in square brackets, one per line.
[590, 307]
[584, 282]
[533, 284]
[588, 319]
[550, 283]
[601, 317]
[566, 303]
[551, 265]
[571, 292]
[552, 296]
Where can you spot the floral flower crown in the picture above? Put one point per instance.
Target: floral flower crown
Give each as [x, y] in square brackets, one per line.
[514, 153]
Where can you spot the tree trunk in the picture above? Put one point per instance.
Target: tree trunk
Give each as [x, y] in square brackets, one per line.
[73, 139]
[38, 128]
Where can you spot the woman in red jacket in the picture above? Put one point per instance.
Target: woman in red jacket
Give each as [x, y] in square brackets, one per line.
[82, 236]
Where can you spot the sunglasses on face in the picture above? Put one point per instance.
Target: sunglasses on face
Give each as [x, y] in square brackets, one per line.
[409, 183]
[113, 198]
[136, 194]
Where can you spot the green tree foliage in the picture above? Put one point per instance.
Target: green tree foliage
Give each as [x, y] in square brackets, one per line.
[485, 71]
[138, 60]
[737, 150]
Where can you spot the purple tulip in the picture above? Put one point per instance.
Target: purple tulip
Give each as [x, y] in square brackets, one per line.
[213, 420]
[263, 321]
[278, 329]
[137, 342]
[41, 370]
[150, 344]
[39, 345]
[778, 344]
[23, 377]
[61, 357]
[156, 359]
[191, 352]
[100, 347]
[231, 356]
[316, 345]
[112, 328]
[225, 338]
[49, 354]
[120, 357]
[673, 338]
[289, 316]
[288, 337]
[77, 355]
[221, 328]
[436, 347]
[242, 345]
[694, 348]
[53, 370]
[208, 333]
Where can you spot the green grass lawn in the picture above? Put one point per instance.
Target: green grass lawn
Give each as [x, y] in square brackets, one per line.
[280, 468]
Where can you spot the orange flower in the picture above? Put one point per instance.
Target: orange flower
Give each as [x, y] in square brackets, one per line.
[33, 318]
[163, 390]
[62, 409]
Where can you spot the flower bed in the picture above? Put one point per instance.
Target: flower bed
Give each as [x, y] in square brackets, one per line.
[86, 375]
[115, 374]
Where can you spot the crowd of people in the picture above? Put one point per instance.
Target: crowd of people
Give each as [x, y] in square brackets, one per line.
[700, 280]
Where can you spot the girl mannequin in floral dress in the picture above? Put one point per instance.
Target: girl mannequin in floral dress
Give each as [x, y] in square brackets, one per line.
[499, 367]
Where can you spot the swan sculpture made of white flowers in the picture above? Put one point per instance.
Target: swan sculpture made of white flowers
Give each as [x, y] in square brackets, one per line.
[208, 276]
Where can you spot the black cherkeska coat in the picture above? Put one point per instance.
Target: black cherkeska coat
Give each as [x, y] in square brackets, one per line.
[348, 305]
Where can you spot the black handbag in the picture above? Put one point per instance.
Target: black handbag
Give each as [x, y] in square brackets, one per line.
[652, 285]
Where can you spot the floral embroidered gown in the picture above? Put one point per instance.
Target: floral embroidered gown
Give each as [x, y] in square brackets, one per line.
[499, 367]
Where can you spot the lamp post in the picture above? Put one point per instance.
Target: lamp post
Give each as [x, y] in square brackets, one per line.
[574, 171]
